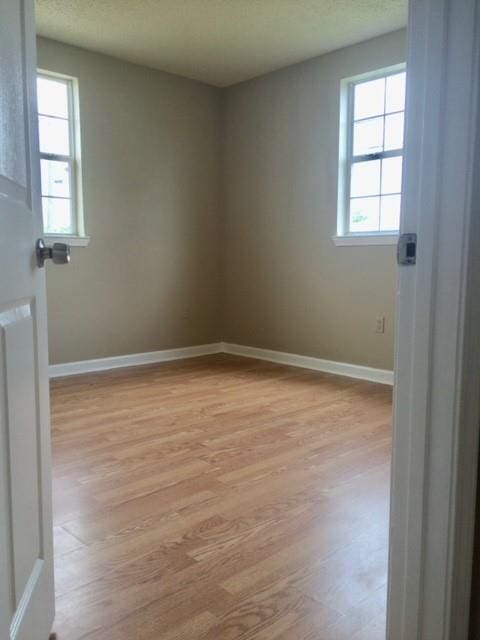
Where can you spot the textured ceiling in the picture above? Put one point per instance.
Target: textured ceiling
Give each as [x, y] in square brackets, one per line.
[219, 42]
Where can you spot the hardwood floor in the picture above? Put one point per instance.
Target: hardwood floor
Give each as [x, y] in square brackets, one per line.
[220, 498]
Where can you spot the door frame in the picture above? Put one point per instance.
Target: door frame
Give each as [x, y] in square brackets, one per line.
[437, 361]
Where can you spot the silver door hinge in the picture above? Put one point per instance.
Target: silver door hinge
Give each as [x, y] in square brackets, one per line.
[407, 249]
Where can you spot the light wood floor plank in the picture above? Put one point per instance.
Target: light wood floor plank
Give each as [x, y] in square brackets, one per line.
[220, 498]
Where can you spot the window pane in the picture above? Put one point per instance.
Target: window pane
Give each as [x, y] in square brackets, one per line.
[368, 136]
[57, 217]
[364, 214]
[52, 97]
[392, 175]
[369, 98]
[394, 132]
[390, 213]
[54, 136]
[365, 180]
[395, 99]
[55, 178]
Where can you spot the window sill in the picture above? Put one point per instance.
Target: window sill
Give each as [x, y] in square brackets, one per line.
[365, 240]
[73, 241]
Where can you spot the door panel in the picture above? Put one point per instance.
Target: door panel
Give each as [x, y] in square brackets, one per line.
[13, 159]
[17, 362]
[26, 558]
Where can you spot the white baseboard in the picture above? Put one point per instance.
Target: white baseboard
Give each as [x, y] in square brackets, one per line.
[306, 362]
[383, 376]
[132, 360]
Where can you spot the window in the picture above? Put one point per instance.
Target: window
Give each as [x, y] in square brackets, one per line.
[60, 157]
[371, 155]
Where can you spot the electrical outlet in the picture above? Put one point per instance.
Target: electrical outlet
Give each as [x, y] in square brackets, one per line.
[380, 324]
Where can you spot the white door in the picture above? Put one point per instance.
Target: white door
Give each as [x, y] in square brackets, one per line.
[26, 559]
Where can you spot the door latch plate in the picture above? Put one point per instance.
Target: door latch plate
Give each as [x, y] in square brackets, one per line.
[407, 249]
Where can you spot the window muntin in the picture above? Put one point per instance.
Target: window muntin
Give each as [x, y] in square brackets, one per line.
[374, 155]
[59, 146]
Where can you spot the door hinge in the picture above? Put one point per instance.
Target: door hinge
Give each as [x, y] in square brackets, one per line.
[407, 249]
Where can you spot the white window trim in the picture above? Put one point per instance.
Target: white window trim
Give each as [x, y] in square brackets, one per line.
[367, 239]
[71, 239]
[344, 237]
[78, 238]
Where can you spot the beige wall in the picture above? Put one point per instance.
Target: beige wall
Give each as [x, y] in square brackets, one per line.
[212, 213]
[286, 286]
[150, 277]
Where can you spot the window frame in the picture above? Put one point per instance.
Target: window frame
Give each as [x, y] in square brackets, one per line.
[344, 236]
[78, 236]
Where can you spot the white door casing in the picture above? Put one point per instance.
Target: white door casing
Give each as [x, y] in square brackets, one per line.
[437, 371]
[26, 559]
